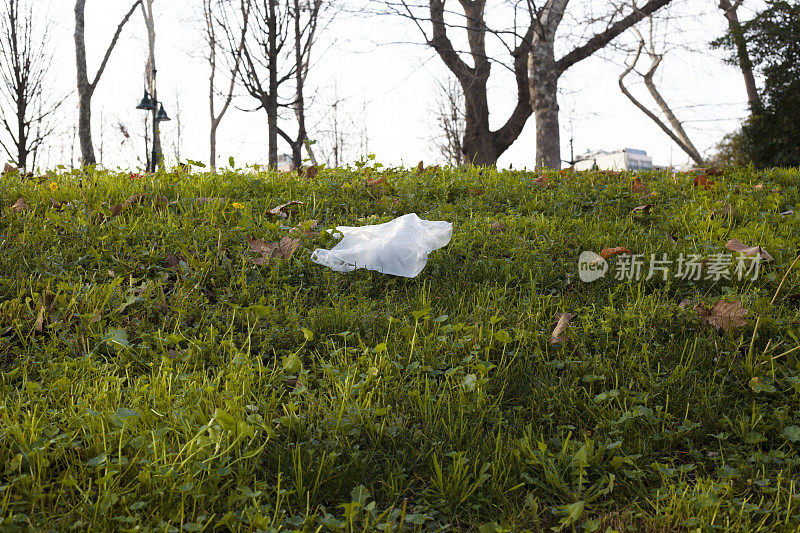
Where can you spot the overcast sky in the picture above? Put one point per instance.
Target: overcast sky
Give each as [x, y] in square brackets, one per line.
[387, 82]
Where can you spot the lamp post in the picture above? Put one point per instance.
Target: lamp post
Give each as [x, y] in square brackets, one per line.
[149, 103]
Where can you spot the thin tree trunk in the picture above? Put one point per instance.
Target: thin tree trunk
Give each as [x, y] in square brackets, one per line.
[544, 99]
[300, 111]
[272, 97]
[745, 64]
[673, 120]
[85, 87]
[679, 135]
[149, 19]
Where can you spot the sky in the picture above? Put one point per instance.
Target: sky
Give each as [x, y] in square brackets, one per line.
[386, 83]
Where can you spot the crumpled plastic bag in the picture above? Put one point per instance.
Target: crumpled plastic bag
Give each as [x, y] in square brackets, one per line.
[399, 247]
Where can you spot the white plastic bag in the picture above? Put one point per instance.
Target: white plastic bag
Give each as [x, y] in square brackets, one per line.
[399, 247]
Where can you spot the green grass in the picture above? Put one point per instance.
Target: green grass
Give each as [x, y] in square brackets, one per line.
[173, 385]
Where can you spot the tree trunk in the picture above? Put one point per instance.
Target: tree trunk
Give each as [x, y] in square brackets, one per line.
[85, 128]
[745, 65]
[300, 110]
[478, 144]
[544, 100]
[272, 99]
[85, 89]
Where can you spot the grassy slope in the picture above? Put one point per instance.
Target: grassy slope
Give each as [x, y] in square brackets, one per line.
[190, 396]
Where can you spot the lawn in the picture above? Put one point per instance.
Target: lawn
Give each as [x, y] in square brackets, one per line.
[158, 373]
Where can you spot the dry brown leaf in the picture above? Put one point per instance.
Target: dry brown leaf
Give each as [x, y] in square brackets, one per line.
[759, 187]
[135, 199]
[309, 172]
[611, 252]
[420, 167]
[498, 227]
[563, 320]
[9, 169]
[19, 206]
[685, 303]
[475, 192]
[735, 245]
[273, 250]
[638, 187]
[282, 210]
[644, 209]
[703, 181]
[723, 315]
[376, 181]
[728, 210]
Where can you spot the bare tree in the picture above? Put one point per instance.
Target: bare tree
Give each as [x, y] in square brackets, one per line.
[24, 68]
[87, 88]
[536, 70]
[276, 53]
[217, 20]
[677, 133]
[450, 122]
[730, 11]
[150, 75]
[305, 29]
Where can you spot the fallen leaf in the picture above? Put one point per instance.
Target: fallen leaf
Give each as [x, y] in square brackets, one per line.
[498, 227]
[723, 315]
[420, 168]
[543, 181]
[728, 210]
[638, 187]
[644, 209]
[611, 252]
[703, 181]
[273, 250]
[475, 192]
[10, 169]
[685, 303]
[563, 321]
[283, 209]
[735, 245]
[759, 187]
[376, 181]
[19, 206]
[135, 199]
[310, 172]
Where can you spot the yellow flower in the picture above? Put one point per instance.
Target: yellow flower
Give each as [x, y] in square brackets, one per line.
[237, 205]
[53, 186]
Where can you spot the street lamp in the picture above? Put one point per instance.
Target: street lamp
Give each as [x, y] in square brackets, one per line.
[149, 103]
